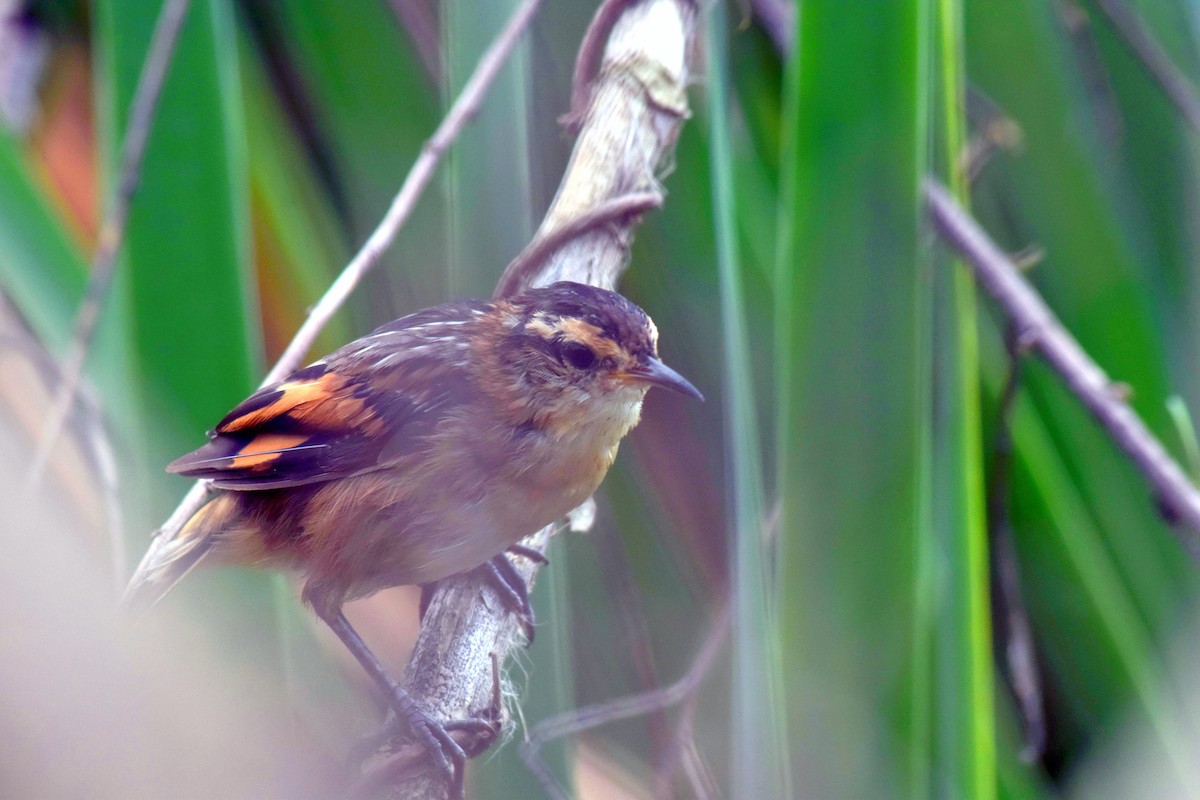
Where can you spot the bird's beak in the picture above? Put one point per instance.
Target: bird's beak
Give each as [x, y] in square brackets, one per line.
[655, 372]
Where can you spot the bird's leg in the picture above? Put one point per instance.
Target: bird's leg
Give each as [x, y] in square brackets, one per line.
[447, 754]
[507, 582]
[513, 591]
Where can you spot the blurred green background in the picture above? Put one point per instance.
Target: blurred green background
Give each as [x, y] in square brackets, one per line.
[834, 489]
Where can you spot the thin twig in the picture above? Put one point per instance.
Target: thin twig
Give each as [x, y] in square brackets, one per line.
[993, 130]
[588, 717]
[419, 21]
[112, 231]
[530, 260]
[587, 60]
[683, 753]
[635, 110]
[1136, 35]
[1039, 329]
[1096, 80]
[778, 17]
[465, 107]
[1012, 628]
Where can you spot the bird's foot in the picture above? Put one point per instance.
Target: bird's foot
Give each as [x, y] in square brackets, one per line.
[513, 591]
[508, 583]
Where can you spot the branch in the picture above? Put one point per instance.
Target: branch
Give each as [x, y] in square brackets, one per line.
[420, 23]
[1037, 328]
[112, 229]
[464, 108]
[588, 717]
[630, 116]
[1133, 31]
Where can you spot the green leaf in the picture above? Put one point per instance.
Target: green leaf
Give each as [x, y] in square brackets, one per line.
[850, 356]
[953, 580]
[186, 265]
[371, 109]
[184, 292]
[41, 269]
[299, 242]
[759, 757]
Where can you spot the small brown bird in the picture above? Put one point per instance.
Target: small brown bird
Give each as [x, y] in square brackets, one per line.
[424, 449]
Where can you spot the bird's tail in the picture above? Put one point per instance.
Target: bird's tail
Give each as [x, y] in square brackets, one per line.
[169, 559]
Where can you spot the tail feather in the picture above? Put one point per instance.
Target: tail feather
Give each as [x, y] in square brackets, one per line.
[169, 560]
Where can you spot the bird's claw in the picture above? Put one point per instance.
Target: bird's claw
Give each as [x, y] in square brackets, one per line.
[513, 591]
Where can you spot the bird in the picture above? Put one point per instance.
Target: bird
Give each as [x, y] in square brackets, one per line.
[424, 449]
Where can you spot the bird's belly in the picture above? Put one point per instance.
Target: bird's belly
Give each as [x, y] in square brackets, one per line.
[471, 534]
[448, 521]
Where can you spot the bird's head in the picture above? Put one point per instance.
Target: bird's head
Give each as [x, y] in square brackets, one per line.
[569, 356]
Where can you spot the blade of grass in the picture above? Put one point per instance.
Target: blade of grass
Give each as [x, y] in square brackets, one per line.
[489, 174]
[1111, 649]
[42, 270]
[490, 220]
[961, 691]
[850, 365]
[373, 107]
[184, 297]
[759, 756]
[298, 239]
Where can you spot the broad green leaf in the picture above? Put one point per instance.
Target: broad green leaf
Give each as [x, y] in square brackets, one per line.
[184, 295]
[371, 108]
[851, 365]
[187, 250]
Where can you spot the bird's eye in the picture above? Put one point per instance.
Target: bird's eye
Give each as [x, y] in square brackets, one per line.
[579, 356]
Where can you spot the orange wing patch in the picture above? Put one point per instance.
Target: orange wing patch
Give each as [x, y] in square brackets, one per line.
[260, 451]
[293, 397]
[325, 403]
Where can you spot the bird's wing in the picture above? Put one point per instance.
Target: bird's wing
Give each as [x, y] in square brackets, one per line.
[367, 406]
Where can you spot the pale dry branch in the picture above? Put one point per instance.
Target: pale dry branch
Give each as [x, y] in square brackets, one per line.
[629, 105]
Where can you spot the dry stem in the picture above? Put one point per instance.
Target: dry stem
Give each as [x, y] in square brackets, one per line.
[634, 108]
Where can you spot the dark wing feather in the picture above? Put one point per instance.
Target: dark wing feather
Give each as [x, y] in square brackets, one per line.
[371, 404]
